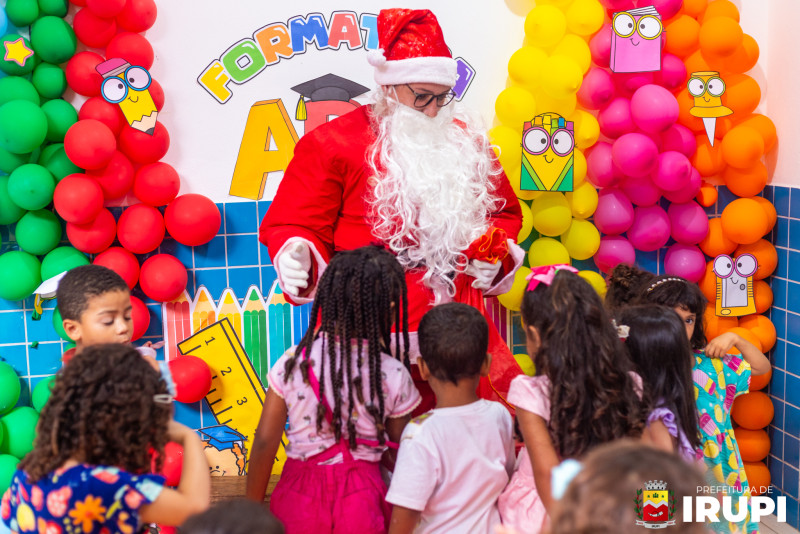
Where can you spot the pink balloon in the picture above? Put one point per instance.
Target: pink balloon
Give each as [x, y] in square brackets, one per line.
[597, 89]
[641, 190]
[635, 154]
[673, 72]
[679, 138]
[617, 5]
[601, 169]
[614, 250]
[686, 261]
[653, 108]
[685, 194]
[689, 222]
[614, 213]
[600, 46]
[673, 172]
[650, 228]
[627, 83]
[666, 8]
[616, 119]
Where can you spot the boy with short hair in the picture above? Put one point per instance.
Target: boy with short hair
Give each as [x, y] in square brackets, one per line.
[455, 460]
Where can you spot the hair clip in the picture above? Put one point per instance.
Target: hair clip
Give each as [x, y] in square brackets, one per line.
[623, 330]
[561, 475]
[663, 281]
[163, 398]
[546, 273]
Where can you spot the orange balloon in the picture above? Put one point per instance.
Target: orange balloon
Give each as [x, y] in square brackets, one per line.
[715, 242]
[753, 410]
[742, 147]
[682, 36]
[753, 444]
[745, 182]
[758, 477]
[716, 325]
[708, 283]
[757, 383]
[765, 254]
[742, 94]
[708, 195]
[763, 296]
[763, 125]
[694, 8]
[685, 103]
[696, 63]
[708, 159]
[724, 125]
[721, 8]
[744, 58]
[720, 36]
[746, 334]
[762, 328]
[744, 221]
[769, 209]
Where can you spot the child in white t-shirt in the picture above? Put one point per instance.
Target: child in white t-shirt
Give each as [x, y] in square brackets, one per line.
[455, 460]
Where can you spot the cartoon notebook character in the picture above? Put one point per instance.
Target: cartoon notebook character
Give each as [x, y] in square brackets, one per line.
[548, 143]
[636, 40]
[735, 285]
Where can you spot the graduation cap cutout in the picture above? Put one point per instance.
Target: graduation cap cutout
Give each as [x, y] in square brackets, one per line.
[222, 437]
[326, 87]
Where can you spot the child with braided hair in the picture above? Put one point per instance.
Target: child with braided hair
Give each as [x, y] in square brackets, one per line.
[347, 393]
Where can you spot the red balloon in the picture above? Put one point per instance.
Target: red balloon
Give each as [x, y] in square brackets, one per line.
[131, 47]
[143, 148]
[81, 74]
[78, 199]
[156, 184]
[79, 3]
[192, 378]
[121, 262]
[116, 178]
[106, 8]
[109, 114]
[192, 219]
[157, 93]
[140, 229]
[173, 463]
[140, 316]
[95, 236]
[163, 277]
[137, 15]
[90, 144]
[93, 30]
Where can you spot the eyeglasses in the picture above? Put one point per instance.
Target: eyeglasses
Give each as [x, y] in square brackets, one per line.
[422, 100]
[115, 89]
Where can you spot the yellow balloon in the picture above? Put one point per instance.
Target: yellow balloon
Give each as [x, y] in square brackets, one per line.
[561, 4]
[512, 299]
[587, 129]
[506, 143]
[551, 214]
[545, 25]
[514, 106]
[576, 49]
[581, 239]
[563, 106]
[579, 169]
[513, 175]
[525, 66]
[595, 280]
[527, 222]
[526, 364]
[562, 77]
[583, 201]
[585, 17]
[547, 251]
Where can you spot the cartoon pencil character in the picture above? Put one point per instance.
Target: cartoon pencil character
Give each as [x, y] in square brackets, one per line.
[735, 284]
[225, 451]
[707, 89]
[547, 154]
[636, 40]
[127, 85]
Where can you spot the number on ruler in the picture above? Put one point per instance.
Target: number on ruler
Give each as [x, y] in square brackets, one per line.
[241, 401]
[208, 341]
[226, 371]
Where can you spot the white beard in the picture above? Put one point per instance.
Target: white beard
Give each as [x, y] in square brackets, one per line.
[433, 192]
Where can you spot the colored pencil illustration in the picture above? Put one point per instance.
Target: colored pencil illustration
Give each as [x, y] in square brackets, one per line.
[279, 317]
[177, 324]
[229, 309]
[255, 332]
[203, 313]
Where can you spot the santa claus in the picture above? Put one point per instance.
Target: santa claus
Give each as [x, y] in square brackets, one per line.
[410, 171]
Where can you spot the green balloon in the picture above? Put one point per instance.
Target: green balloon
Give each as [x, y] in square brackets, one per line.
[9, 212]
[10, 66]
[53, 39]
[22, 12]
[31, 186]
[69, 346]
[55, 159]
[38, 232]
[20, 428]
[9, 388]
[41, 392]
[23, 126]
[53, 7]
[60, 116]
[58, 326]
[49, 80]
[16, 88]
[8, 466]
[61, 259]
[10, 161]
[20, 275]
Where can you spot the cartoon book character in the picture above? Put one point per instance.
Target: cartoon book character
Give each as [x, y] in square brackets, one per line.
[547, 154]
[636, 40]
[735, 285]
[225, 451]
[707, 89]
[127, 86]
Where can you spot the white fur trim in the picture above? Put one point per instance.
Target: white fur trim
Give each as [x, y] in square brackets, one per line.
[376, 58]
[439, 70]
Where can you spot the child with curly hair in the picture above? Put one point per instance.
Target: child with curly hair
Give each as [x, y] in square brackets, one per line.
[89, 468]
[347, 393]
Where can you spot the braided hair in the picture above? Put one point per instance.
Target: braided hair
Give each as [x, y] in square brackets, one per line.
[360, 297]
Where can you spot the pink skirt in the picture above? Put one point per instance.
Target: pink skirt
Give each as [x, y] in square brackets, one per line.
[313, 498]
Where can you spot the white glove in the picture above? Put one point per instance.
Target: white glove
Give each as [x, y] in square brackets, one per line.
[483, 272]
[294, 265]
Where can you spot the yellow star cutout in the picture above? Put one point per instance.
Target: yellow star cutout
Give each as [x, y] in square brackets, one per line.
[17, 52]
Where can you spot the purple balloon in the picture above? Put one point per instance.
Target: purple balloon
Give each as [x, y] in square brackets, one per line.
[614, 213]
[680, 139]
[673, 72]
[686, 261]
[616, 119]
[641, 191]
[597, 89]
[650, 228]
[689, 222]
[635, 154]
[614, 250]
[673, 172]
[666, 8]
[653, 108]
[600, 46]
[685, 194]
[601, 170]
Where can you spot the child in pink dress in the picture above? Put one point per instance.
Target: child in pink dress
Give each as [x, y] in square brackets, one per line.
[343, 394]
[584, 393]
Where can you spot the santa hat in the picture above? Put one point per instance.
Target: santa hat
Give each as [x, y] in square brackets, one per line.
[412, 49]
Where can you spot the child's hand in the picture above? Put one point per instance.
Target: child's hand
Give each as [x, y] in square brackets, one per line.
[722, 344]
[154, 346]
